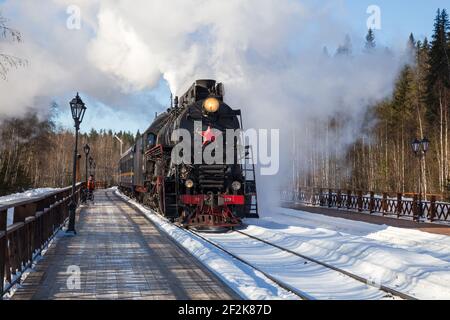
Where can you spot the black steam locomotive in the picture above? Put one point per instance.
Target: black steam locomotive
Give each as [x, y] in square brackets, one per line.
[190, 192]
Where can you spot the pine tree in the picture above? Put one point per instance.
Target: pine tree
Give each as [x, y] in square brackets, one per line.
[346, 48]
[438, 91]
[412, 48]
[439, 51]
[370, 41]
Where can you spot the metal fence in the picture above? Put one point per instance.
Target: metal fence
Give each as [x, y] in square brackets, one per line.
[33, 223]
[398, 205]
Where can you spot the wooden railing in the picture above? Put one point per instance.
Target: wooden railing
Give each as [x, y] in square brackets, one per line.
[385, 204]
[34, 223]
[101, 185]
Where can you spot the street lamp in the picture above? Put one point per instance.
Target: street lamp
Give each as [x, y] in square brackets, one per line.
[91, 161]
[78, 109]
[87, 150]
[425, 145]
[420, 149]
[416, 146]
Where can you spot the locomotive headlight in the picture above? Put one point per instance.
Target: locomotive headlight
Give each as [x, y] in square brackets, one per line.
[236, 186]
[189, 183]
[211, 105]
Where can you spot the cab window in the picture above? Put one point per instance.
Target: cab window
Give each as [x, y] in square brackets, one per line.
[151, 140]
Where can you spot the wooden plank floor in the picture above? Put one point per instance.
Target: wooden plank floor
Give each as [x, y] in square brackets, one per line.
[121, 255]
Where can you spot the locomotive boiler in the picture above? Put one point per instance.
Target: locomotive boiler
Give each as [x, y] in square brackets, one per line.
[179, 183]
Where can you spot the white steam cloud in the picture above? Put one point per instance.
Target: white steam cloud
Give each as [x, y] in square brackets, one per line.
[267, 52]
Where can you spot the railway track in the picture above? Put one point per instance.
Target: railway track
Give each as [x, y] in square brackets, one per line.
[383, 288]
[301, 294]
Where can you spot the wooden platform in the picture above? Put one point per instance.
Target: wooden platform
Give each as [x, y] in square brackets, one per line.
[121, 255]
[435, 228]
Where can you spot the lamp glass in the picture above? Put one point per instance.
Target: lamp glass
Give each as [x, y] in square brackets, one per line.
[87, 149]
[78, 108]
[425, 144]
[415, 145]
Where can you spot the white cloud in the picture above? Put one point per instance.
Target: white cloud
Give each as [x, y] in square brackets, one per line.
[267, 52]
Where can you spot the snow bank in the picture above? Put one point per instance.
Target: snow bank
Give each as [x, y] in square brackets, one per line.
[26, 195]
[410, 261]
[244, 280]
[317, 281]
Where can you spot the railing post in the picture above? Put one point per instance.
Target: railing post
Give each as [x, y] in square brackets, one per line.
[399, 204]
[330, 198]
[299, 196]
[384, 205]
[349, 199]
[433, 208]
[360, 201]
[372, 202]
[3, 227]
[321, 198]
[313, 196]
[415, 207]
[339, 199]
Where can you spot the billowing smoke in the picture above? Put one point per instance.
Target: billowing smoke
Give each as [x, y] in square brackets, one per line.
[269, 54]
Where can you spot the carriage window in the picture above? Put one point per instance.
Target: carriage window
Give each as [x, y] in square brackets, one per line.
[151, 140]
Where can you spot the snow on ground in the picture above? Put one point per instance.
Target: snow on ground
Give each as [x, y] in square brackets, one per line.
[244, 280]
[410, 261]
[22, 196]
[317, 281]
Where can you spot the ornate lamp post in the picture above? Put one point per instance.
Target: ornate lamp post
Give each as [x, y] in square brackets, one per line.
[78, 109]
[93, 167]
[420, 149]
[91, 162]
[86, 150]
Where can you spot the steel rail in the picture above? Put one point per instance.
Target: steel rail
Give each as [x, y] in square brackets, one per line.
[326, 265]
[302, 295]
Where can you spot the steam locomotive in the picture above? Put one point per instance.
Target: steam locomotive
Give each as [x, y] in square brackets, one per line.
[193, 192]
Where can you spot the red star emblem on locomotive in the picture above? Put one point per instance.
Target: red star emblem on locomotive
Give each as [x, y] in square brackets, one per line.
[208, 136]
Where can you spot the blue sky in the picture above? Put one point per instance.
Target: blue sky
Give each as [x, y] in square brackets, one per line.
[398, 19]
